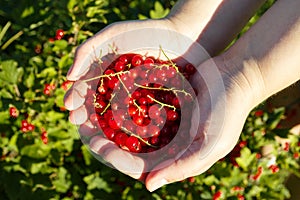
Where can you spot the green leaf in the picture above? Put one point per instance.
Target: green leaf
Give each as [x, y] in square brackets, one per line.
[245, 159]
[58, 133]
[4, 116]
[60, 45]
[41, 167]
[36, 151]
[29, 94]
[5, 94]
[95, 182]
[9, 71]
[61, 181]
[48, 72]
[29, 81]
[65, 61]
[159, 11]
[210, 180]
[87, 156]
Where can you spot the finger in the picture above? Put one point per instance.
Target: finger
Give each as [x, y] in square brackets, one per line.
[176, 170]
[73, 100]
[75, 96]
[87, 129]
[85, 55]
[122, 160]
[78, 116]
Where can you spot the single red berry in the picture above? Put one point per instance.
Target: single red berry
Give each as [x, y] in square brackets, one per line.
[258, 155]
[113, 82]
[109, 133]
[154, 140]
[242, 144]
[120, 66]
[124, 59]
[114, 124]
[100, 106]
[133, 144]
[142, 131]
[240, 197]
[190, 69]
[217, 195]
[149, 61]
[121, 138]
[13, 112]
[24, 123]
[286, 146]
[30, 127]
[103, 89]
[59, 34]
[172, 115]
[143, 101]
[259, 113]
[138, 119]
[137, 60]
[296, 155]
[132, 110]
[66, 85]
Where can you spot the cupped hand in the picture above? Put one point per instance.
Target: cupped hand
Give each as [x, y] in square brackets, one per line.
[224, 101]
[86, 65]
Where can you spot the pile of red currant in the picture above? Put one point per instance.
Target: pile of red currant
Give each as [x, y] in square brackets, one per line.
[140, 102]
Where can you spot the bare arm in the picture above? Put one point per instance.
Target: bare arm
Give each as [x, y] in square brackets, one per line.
[268, 55]
[213, 24]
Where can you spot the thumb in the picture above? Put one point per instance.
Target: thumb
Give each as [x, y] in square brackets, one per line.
[191, 163]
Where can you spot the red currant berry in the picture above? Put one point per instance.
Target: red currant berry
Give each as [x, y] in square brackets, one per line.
[133, 144]
[120, 138]
[137, 60]
[172, 115]
[109, 133]
[190, 69]
[120, 66]
[138, 119]
[103, 89]
[59, 34]
[13, 112]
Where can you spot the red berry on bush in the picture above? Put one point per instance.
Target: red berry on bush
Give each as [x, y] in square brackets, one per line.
[274, 168]
[13, 112]
[59, 34]
[48, 88]
[44, 137]
[217, 195]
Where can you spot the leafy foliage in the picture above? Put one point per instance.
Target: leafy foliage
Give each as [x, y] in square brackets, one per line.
[49, 160]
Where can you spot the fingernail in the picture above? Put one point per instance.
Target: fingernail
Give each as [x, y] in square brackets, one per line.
[158, 184]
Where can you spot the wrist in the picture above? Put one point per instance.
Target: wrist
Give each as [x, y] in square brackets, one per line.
[243, 77]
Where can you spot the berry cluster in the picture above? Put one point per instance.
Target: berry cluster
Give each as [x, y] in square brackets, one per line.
[59, 34]
[48, 88]
[139, 101]
[26, 126]
[44, 136]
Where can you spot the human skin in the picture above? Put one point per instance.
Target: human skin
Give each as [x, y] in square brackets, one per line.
[213, 26]
[261, 63]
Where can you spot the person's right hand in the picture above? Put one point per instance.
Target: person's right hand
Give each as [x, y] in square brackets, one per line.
[75, 98]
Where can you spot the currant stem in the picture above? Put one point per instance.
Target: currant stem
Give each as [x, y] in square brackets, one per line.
[163, 89]
[172, 63]
[106, 76]
[161, 103]
[109, 103]
[137, 136]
